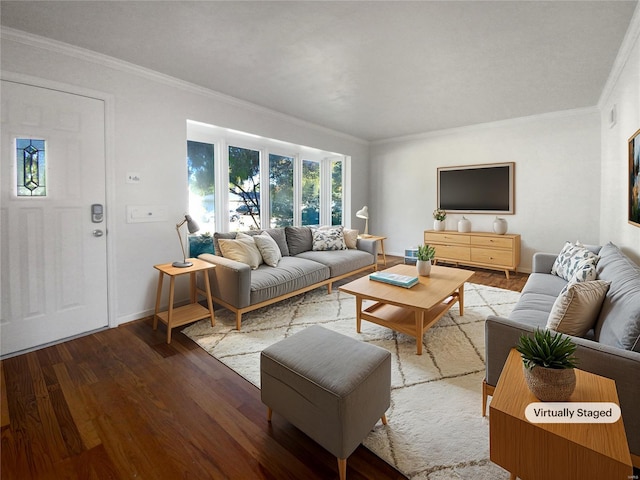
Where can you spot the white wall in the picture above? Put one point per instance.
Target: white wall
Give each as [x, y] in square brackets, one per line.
[623, 95]
[150, 117]
[557, 160]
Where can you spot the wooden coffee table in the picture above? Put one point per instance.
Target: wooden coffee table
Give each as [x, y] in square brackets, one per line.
[409, 310]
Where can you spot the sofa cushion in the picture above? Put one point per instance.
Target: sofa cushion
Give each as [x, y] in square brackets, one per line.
[340, 261]
[299, 239]
[618, 324]
[292, 273]
[328, 239]
[575, 310]
[243, 249]
[575, 263]
[269, 249]
[545, 284]
[281, 239]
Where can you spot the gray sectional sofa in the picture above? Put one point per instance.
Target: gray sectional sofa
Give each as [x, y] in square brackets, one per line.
[235, 286]
[610, 349]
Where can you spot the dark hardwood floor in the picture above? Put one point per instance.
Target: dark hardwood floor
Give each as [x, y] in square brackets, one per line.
[122, 403]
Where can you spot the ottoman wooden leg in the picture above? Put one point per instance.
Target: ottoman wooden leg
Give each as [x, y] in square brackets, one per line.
[384, 419]
[342, 468]
[269, 414]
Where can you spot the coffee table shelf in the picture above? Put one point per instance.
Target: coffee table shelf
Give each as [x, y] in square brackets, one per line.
[402, 319]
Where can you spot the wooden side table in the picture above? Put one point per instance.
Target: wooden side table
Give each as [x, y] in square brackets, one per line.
[555, 451]
[177, 316]
[380, 239]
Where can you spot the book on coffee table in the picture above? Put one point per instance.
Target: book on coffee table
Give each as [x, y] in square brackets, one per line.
[405, 281]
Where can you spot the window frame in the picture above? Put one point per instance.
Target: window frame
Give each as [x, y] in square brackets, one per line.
[223, 138]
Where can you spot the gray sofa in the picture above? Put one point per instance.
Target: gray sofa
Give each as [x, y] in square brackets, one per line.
[238, 288]
[611, 349]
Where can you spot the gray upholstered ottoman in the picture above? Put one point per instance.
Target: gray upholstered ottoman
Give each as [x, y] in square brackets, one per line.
[330, 386]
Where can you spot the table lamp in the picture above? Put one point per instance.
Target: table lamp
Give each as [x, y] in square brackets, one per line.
[364, 213]
[193, 227]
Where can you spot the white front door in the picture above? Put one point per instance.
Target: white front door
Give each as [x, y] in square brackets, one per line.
[53, 266]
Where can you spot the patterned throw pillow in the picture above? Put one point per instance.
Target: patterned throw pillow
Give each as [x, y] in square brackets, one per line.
[575, 263]
[328, 239]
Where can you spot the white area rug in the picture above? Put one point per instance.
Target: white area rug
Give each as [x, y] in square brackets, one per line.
[435, 429]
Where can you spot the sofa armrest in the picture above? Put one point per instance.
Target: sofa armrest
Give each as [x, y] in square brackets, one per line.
[230, 280]
[368, 245]
[542, 262]
[622, 366]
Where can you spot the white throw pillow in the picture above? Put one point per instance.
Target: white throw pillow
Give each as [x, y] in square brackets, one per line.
[242, 249]
[328, 239]
[575, 263]
[269, 249]
[577, 307]
[350, 238]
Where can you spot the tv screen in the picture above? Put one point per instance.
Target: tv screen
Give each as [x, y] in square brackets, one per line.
[477, 188]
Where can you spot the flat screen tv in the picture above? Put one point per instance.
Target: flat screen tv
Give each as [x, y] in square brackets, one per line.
[477, 188]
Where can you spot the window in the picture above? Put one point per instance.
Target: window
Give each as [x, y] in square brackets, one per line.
[244, 187]
[310, 192]
[200, 164]
[281, 193]
[336, 192]
[31, 168]
[226, 169]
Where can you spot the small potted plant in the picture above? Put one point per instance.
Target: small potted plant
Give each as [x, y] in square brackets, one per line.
[426, 253]
[548, 363]
[438, 219]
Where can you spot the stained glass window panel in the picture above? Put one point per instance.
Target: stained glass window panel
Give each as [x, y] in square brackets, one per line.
[31, 167]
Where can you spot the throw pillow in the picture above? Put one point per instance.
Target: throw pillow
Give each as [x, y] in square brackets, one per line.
[243, 249]
[328, 239]
[575, 310]
[585, 269]
[269, 249]
[299, 239]
[350, 235]
[350, 238]
[575, 263]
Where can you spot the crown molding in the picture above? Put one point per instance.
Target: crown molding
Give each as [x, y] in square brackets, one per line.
[36, 41]
[490, 125]
[624, 54]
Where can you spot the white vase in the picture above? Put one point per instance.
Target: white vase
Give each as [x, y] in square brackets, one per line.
[438, 225]
[423, 267]
[500, 226]
[464, 225]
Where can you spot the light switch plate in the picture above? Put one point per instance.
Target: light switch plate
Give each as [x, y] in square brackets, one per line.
[146, 213]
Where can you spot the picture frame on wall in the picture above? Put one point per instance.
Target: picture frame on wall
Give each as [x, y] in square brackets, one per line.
[634, 179]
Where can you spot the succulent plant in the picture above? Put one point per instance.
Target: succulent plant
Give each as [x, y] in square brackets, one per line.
[547, 349]
[426, 252]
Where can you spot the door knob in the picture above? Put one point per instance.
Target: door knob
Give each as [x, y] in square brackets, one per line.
[98, 233]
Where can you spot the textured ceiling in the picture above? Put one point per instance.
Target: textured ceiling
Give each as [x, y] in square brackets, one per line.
[373, 70]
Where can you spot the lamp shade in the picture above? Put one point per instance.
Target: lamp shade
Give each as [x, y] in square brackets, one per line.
[192, 226]
[363, 213]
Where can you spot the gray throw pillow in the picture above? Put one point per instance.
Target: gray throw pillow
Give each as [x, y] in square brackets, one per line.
[299, 239]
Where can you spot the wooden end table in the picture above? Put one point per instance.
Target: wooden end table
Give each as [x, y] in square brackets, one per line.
[177, 316]
[555, 451]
